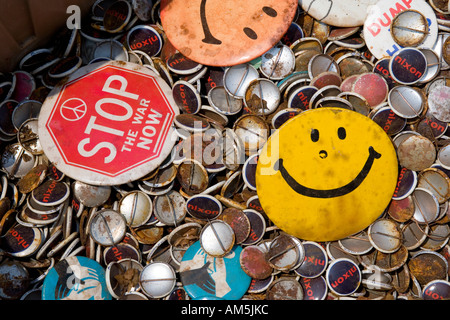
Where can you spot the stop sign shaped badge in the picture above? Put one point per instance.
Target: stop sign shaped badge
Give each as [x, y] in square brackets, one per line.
[110, 123]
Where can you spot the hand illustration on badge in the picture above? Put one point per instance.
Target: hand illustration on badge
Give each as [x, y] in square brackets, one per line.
[205, 272]
[76, 281]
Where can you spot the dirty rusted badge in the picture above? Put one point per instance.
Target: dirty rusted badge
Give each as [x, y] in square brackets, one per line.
[219, 33]
[32, 179]
[345, 181]
[378, 24]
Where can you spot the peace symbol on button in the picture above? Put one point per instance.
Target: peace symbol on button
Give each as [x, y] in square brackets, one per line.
[73, 109]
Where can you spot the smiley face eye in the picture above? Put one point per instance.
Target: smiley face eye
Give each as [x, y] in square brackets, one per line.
[271, 12]
[314, 135]
[249, 32]
[342, 133]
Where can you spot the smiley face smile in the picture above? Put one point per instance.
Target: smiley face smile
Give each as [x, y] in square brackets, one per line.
[330, 193]
[326, 174]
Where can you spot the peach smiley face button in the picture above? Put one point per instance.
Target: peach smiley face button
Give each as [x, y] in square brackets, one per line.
[225, 33]
[326, 174]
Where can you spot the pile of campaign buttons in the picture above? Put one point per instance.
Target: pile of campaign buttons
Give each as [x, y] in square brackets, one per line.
[193, 227]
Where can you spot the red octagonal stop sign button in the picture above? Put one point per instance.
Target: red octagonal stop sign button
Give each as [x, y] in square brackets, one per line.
[109, 124]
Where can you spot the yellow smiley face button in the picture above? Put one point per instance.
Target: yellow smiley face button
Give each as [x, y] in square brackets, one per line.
[326, 174]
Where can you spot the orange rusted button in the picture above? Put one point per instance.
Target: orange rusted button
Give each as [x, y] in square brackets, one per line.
[225, 33]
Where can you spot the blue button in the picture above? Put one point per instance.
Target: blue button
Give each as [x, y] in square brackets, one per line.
[301, 97]
[284, 115]
[343, 277]
[76, 278]
[293, 34]
[436, 290]
[207, 277]
[314, 288]
[382, 67]
[316, 260]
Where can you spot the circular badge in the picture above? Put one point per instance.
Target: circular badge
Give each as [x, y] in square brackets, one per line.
[237, 78]
[24, 85]
[385, 236]
[238, 221]
[377, 26]
[258, 286]
[406, 183]
[438, 103]
[284, 115]
[316, 260]
[408, 66]
[430, 127]
[136, 207]
[343, 276]
[117, 16]
[391, 122]
[142, 9]
[217, 238]
[293, 34]
[254, 262]
[249, 170]
[433, 65]
[120, 252]
[22, 241]
[107, 227]
[51, 193]
[218, 33]
[382, 67]
[146, 39]
[24, 111]
[76, 278]
[401, 210]
[115, 109]
[223, 102]
[284, 253]
[169, 208]
[157, 279]
[406, 102]
[179, 64]
[301, 97]
[373, 87]
[436, 290]
[257, 226]
[278, 62]
[205, 276]
[203, 207]
[409, 28]
[416, 153]
[90, 196]
[15, 280]
[186, 96]
[6, 125]
[357, 244]
[314, 289]
[262, 96]
[285, 288]
[346, 179]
